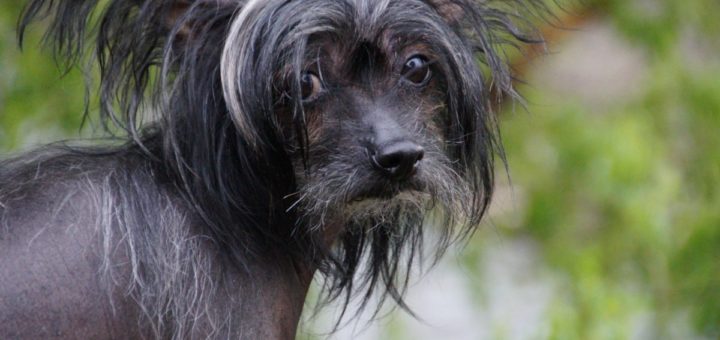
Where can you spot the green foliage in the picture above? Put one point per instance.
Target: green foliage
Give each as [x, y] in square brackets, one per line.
[626, 201]
[38, 103]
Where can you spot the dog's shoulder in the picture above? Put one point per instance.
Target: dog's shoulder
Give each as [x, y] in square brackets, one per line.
[52, 210]
[57, 182]
[50, 171]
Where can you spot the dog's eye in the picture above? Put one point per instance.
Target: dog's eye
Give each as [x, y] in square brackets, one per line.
[417, 70]
[310, 86]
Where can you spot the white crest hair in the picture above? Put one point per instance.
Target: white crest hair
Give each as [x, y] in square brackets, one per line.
[236, 48]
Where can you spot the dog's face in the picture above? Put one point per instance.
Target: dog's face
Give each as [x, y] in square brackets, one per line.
[374, 114]
[379, 105]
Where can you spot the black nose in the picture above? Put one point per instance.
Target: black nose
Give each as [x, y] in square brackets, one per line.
[397, 160]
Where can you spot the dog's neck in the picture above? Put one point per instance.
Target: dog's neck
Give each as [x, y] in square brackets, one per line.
[282, 289]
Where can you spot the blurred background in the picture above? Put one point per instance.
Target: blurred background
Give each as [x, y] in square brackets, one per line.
[608, 225]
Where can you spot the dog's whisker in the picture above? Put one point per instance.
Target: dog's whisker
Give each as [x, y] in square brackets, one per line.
[292, 206]
[292, 194]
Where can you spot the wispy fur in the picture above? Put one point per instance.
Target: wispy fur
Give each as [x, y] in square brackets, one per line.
[196, 84]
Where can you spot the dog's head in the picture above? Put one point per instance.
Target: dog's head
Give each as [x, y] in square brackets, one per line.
[360, 119]
[384, 111]
[379, 105]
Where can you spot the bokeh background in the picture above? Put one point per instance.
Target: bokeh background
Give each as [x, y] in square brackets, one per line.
[608, 223]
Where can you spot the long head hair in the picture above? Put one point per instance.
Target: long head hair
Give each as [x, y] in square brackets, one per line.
[197, 85]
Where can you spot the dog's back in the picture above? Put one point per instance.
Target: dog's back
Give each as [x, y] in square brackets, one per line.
[51, 247]
[98, 243]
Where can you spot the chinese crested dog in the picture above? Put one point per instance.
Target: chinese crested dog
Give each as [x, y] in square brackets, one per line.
[264, 141]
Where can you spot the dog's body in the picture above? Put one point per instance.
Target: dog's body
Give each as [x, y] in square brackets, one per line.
[73, 261]
[288, 137]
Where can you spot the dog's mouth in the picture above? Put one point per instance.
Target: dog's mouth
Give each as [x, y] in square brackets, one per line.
[387, 191]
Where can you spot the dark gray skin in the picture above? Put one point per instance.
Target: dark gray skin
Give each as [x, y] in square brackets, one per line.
[51, 290]
[52, 287]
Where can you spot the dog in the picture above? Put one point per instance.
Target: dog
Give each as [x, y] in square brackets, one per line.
[253, 145]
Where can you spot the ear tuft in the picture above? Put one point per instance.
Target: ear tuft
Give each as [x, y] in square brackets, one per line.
[448, 9]
[174, 16]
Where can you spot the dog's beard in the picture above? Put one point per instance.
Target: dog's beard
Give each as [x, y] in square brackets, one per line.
[345, 198]
[368, 232]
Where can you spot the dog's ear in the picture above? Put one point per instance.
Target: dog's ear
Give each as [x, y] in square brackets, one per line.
[184, 17]
[142, 47]
[111, 23]
[514, 17]
[451, 10]
[174, 18]
[488, 27]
